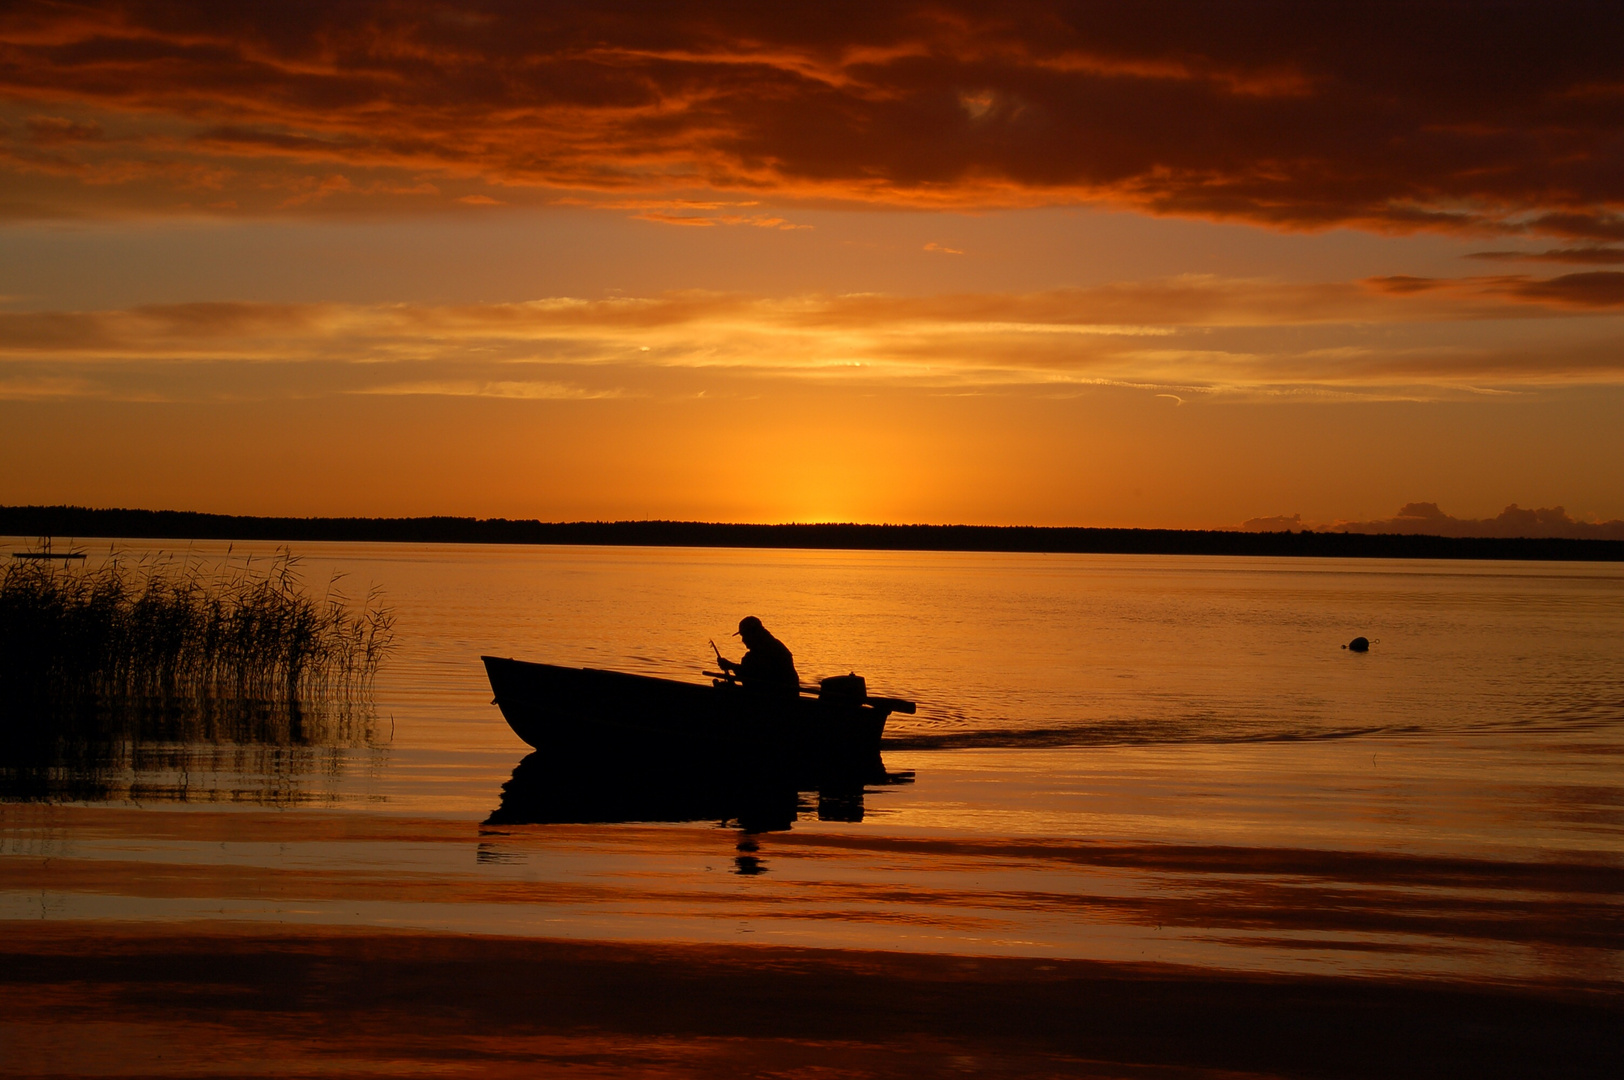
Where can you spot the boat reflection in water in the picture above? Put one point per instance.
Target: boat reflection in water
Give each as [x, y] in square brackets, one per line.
[546, 790]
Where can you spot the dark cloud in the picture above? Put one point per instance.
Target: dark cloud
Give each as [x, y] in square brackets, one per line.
[1584, 256]
[1384, 116]
[1584, 226]
[1276, 523]
[1593, 289]
[1426, 519]
[1598, 289]
[1406, 285]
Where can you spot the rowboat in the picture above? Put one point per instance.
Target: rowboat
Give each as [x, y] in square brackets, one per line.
[823, 735]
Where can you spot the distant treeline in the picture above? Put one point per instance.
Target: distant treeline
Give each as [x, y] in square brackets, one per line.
[74, 522]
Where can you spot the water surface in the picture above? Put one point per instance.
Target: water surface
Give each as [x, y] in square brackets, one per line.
[1164, 759]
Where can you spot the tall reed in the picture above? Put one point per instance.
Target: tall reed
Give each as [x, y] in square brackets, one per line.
[173, 631]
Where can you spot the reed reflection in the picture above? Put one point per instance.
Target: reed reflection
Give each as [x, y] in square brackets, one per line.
[214, 750]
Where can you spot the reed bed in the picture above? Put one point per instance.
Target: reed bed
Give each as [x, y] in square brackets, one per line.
[178, 632]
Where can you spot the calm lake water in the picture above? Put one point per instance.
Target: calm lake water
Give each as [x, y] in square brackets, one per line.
[1114, 757]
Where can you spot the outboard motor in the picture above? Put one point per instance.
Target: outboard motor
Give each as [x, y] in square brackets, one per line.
[843, 689]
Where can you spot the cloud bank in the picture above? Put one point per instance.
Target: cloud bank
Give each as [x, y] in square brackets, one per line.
[1426, 519]
[1390, 117]
[1189, 336]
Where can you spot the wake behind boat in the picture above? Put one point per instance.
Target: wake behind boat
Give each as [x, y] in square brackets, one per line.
[819, 736]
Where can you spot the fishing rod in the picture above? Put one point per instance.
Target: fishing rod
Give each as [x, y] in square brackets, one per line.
[730, 676]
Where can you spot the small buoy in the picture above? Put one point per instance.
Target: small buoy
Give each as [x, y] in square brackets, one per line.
[1358, 644]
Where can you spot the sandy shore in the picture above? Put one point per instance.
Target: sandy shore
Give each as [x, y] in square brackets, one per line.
[217, 1000]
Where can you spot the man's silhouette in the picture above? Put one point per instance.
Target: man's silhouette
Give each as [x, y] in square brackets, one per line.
[768, 666]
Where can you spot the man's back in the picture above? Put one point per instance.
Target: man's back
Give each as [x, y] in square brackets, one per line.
[769, 667]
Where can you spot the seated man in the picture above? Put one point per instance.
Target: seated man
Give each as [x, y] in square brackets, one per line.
[768, 667]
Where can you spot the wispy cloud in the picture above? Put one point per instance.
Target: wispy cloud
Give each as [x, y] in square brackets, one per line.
[44, 387]
[760, 221]
[507, 388]
[1583, 256]
[1304, 116]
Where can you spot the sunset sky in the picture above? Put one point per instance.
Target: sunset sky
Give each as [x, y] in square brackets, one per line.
[1072, 264]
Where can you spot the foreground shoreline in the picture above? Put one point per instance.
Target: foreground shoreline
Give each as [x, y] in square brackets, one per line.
[73, 522]
[218, 999]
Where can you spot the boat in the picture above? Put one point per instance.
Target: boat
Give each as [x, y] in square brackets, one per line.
[709, 733]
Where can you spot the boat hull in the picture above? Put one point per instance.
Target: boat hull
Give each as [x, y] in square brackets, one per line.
[619, 722]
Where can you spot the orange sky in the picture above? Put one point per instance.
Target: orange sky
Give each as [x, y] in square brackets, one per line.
[1153, 264]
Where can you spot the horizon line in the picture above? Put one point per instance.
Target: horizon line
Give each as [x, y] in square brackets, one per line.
[64, 521]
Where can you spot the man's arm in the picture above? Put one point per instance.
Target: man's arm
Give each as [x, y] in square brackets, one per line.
[721, 661]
